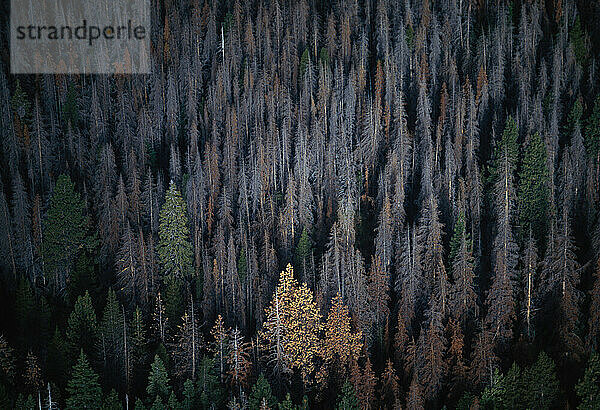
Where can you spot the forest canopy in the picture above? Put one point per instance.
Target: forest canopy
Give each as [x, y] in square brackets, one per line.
[310, 204]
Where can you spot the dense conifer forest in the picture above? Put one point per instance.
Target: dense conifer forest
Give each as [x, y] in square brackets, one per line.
[373, 204]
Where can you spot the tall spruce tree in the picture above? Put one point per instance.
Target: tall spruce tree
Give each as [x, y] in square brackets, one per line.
[158, 381]
[83, 388]
[588, 388]
[533, 188]
[174, 247]
[82, 327]
[65, 229]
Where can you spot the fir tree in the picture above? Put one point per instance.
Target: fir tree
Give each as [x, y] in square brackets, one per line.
[111, 401]
[189, 395]
[83, 388]
[174, 247]
[111, 341]
[261, 396]
[82, 327]
[302, 256]
[588, 388]
[56, 360]
[210, 391]
[541, 384]
[533, 188]
[65, 228]
[158, 381]
[347, 398]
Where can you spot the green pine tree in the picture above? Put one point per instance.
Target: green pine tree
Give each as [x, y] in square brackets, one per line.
[508, 144]
[541, 388]
[23, 403]
[514, 389]
[5, 401]
[347, 399]
[65, 228]
[242, 265]
[111, 401]
[158, 381]
[174, 247]
[70, 109]
[287, 404]
[83, 388]
[493, 395]
[137, 343]
[173, 301]
[579, 42]
[303, 253]
[459, 234]
[574, 117]
[82, 327]
[157, 404]
[189, 395]
[534, 191]
[588, 388]
[139, 404]
[209, 390]
[172, 403]
[56, 368]
[261, 394]
[592, 134]
[304, 61]
[111, 339]
[20, 102]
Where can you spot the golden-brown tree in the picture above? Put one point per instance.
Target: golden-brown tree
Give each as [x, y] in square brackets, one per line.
[292, 327]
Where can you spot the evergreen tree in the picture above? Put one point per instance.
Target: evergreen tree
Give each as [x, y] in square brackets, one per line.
[24, 311]
[82, 327]
[173, 301]
[112, 341]
[261, 396]
[347, 398]
[533, 188]
[174, 247]
[83, 277]
[210, 391]
[592, 135]
[138, 342]
[56, 368]
[189, 395]
[65, 229]
[158, 381]
[303, 255]
[588, 388]
[83, 388]
[111, 401]
[541, 384]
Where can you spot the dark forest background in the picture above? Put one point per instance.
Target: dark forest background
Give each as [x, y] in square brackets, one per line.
[430, 170]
